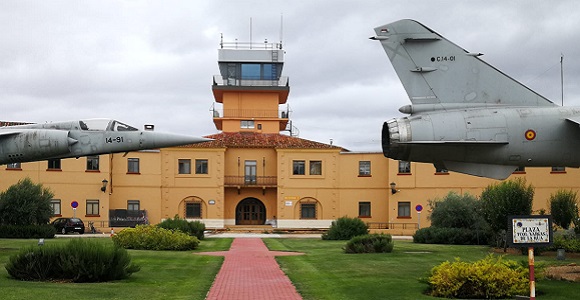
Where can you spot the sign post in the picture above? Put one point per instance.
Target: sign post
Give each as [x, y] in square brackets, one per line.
[530, 231]
[74, 206]
[419, 208]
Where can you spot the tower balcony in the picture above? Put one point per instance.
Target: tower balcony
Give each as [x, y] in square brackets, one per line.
[281, 116]
[223, 85]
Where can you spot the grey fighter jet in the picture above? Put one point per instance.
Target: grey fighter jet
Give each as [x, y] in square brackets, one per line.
[34, 142]
[467, 116]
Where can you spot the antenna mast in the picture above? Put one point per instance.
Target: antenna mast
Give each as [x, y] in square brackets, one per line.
[562, 76]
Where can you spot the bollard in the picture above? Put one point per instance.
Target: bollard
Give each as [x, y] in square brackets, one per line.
[112, 232]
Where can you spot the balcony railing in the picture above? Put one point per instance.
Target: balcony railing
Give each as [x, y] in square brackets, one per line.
[251, 181]
[219, 80]
[250, 113]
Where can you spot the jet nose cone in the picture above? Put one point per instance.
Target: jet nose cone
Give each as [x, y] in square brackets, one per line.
[161, 140]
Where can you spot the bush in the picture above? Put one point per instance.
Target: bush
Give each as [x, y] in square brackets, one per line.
[345, 229]
[564, 207]
[489, 278]
[457, 211]
[150, 237]
[25, 203]
[568, 243]
[370, 243]
[193, 228]
[77, 261]
[451, 236]
[27, 231]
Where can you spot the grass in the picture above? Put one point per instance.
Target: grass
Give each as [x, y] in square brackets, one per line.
[163, 275]
[327, 273]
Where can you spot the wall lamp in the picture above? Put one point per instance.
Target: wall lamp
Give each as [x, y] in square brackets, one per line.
[393, 188]
[104, 187]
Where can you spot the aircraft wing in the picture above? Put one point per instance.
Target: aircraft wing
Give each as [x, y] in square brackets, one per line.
[499, 172]
[8, 132]
[455, 143]
[575, 120]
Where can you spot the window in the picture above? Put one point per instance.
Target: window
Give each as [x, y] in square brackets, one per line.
[404, 167]
[201, 166]
[558, 169]
[520, 170]
[14, 166]
[133, 205]
[439, 170]
[93, 163]
[250, 171]
[184, 166]
[315, 167]
[193, 210]
[404, 210]
[132, 165]
[364, 168]
[364, 209]
[298, 167]
[307, 210]
[92, 208]
[55, 205]
[54, 164]
[247, 124]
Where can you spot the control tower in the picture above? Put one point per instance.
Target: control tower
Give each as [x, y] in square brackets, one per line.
[250, 88]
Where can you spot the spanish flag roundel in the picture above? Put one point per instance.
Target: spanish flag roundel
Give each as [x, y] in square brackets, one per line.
[530, 135]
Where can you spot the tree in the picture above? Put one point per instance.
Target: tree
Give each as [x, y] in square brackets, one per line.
[456, 211]
[512, 197]
[25, 203]
[564, 207]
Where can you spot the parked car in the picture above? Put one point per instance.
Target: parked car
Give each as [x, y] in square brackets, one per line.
[66, 225]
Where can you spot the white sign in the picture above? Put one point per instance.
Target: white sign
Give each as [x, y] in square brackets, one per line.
[288, 203]
[531, 231]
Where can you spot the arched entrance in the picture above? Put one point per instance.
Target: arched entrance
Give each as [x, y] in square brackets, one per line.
[250, 211]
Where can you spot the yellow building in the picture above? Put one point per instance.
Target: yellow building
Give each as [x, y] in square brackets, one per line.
[252, 174]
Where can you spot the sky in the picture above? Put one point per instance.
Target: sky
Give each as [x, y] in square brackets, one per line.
[152, 62]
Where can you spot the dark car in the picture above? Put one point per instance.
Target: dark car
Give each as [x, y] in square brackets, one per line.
[66, 225]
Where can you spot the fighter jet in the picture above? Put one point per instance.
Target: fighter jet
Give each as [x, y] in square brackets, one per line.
[467, 116]
[34, 142]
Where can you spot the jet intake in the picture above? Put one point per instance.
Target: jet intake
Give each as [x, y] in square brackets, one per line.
[32, 145]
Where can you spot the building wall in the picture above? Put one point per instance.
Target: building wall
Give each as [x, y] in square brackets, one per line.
[337, 191]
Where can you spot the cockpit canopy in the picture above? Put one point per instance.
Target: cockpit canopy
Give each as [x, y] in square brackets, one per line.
[105, 125]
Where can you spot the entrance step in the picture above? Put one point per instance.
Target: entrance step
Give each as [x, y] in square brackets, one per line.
[267, 229]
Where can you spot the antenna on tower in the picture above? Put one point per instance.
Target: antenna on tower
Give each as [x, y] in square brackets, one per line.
[281, 29]
[250, 32]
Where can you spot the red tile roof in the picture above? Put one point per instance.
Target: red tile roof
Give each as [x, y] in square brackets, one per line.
[259, 140]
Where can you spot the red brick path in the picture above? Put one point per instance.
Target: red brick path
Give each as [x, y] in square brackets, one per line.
[251, 272]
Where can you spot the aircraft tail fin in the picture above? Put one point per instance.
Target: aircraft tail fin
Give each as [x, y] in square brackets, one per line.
[434, 70]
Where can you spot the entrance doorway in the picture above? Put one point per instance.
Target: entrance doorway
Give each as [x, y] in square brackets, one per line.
[250, 211]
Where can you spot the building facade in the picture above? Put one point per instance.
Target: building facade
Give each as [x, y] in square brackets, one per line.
[255, 171]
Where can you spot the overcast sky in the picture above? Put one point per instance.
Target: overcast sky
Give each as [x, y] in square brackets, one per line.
[152, 62]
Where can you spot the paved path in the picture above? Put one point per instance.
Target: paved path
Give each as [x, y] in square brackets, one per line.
[251, 272]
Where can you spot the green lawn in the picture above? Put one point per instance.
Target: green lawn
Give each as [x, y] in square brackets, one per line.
[327, 273]
[163, 275]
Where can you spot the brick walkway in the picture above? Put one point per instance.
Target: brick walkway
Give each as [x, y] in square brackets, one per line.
[251, 272]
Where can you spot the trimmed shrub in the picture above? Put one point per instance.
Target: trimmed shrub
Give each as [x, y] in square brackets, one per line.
[345, 229]
[451, 236]
[27, 231]
[564, 207]
[193, 228]
[489, 278]
[150, 237]
[79, 260]
[568, 243]
[370, 243]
